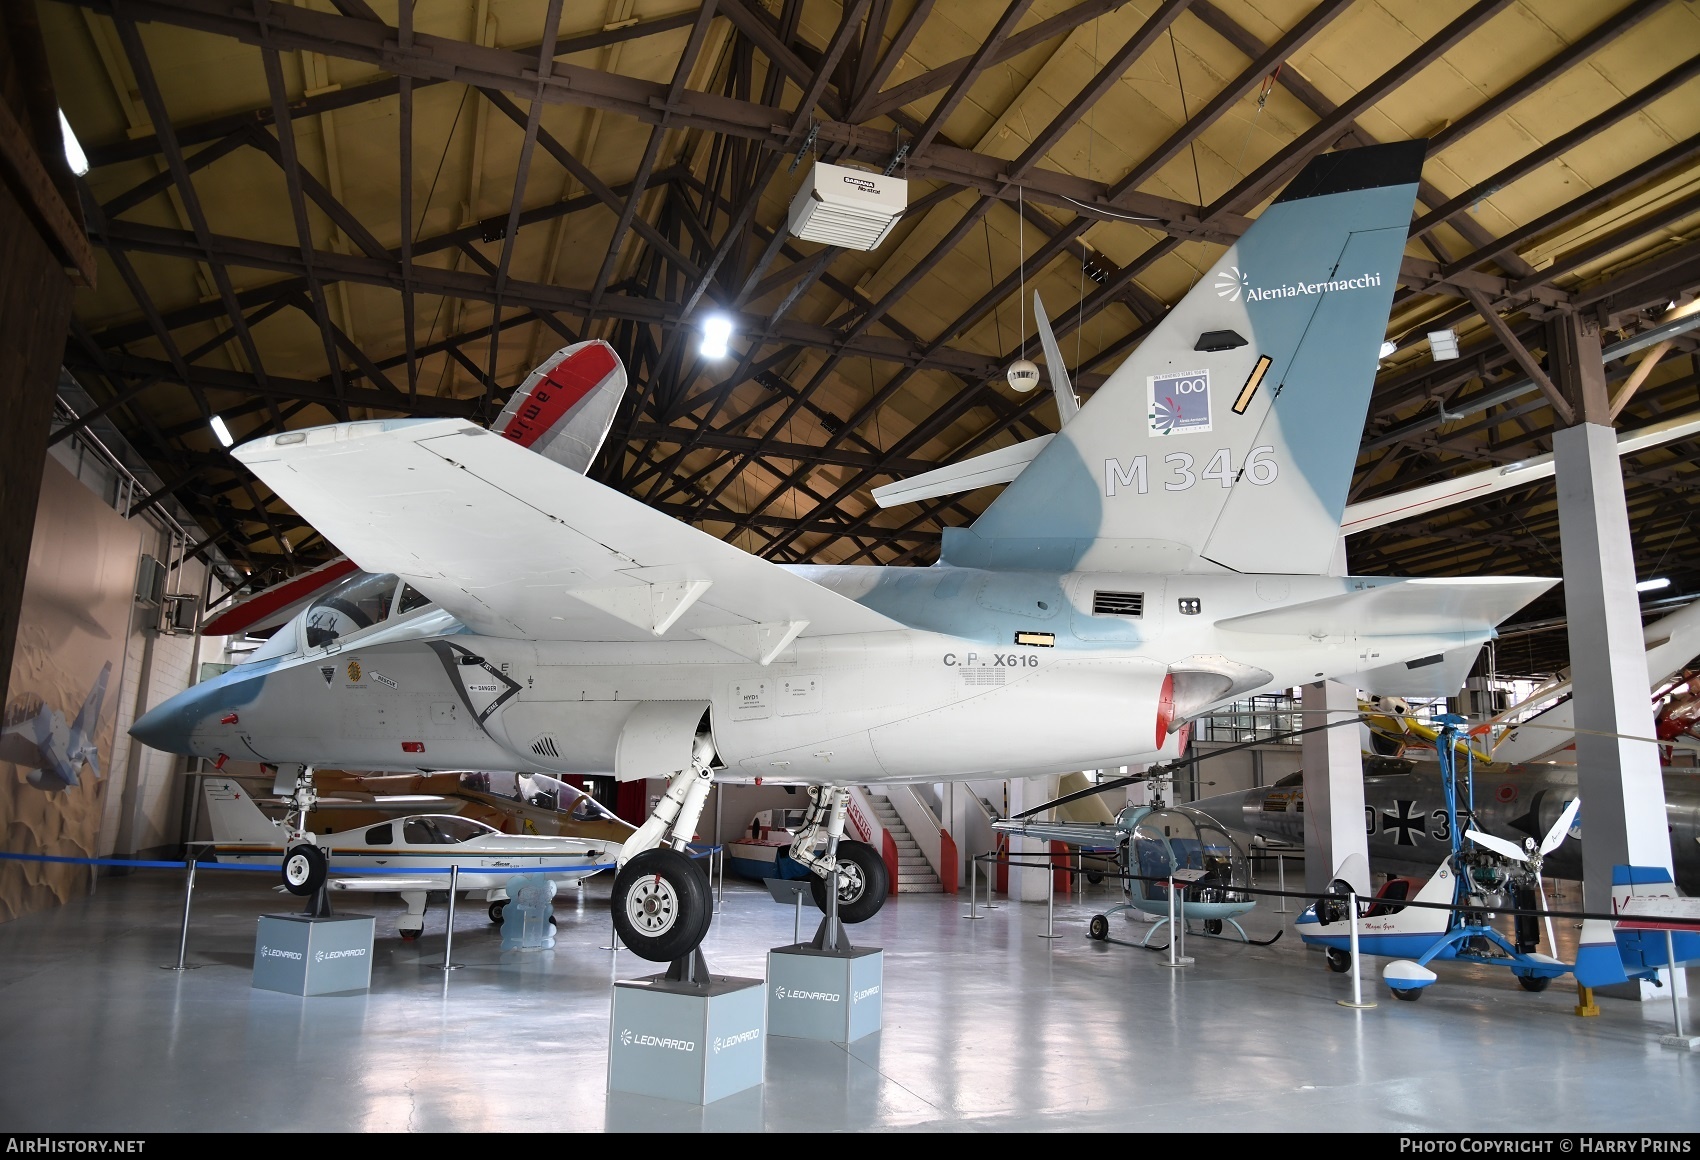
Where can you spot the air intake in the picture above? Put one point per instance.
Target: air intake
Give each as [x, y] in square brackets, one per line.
[1118, 604]
[545, 747]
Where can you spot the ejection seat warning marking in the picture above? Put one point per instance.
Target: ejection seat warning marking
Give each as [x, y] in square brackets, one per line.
[1179, 403]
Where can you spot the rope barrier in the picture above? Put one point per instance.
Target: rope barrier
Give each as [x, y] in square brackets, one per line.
[158, 864]
[1123, 876]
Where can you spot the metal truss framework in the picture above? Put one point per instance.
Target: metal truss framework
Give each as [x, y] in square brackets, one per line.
[690, 237]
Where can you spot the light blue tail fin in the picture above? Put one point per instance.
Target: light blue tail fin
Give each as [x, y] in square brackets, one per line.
[1226, 441]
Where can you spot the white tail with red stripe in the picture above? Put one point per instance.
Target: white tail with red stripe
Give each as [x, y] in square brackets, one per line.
[564, 408]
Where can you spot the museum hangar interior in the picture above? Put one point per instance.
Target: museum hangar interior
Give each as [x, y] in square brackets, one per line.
[820, 605]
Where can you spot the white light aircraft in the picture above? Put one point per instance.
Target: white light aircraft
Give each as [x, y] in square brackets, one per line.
[1170, 550]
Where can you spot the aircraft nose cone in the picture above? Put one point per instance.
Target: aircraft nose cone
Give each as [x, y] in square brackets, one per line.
[166, 727]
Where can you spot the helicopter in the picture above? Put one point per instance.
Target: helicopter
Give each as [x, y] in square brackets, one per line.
[1471, 883]
[1159, 846]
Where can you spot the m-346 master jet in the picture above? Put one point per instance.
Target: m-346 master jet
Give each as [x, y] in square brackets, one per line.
[1168, 551]
[54, 753]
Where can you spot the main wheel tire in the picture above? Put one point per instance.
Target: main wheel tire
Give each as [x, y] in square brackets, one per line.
[1407, 994]
[496, 909]
[662, 906]
[1338, 961]
[1212, 926]
[1098, 928]
[304, 868]
[1535, 983]
[1094, 877]
[863, 883]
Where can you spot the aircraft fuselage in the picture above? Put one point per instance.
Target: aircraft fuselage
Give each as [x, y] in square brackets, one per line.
[952, 696]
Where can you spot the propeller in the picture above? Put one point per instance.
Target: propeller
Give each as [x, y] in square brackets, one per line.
[1532, 855]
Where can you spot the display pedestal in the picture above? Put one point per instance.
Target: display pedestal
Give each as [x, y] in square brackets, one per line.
[815, 993]
[301, 954]
[682, 1040]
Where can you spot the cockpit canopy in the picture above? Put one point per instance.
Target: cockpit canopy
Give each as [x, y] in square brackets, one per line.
[358, 603]
[1177, 838]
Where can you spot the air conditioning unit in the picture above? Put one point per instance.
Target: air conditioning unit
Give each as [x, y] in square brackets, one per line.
[150, 581]
[847, 207]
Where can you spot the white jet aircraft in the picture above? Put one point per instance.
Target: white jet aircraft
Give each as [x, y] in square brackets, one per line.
[1170, 550]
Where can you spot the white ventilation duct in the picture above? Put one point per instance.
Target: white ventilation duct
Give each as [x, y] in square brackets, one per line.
[847, 207]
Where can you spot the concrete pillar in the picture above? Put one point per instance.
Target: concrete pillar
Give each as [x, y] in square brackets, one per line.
[1334, 790]
[1623, 793]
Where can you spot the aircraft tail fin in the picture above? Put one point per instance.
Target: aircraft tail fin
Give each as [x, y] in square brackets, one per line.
[233, 815]
[88, 717]
[1068, 406]
[1227, 440]
[565, 407]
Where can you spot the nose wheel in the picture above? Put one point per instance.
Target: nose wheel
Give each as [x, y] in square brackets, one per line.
[662, 905]
[304, 869]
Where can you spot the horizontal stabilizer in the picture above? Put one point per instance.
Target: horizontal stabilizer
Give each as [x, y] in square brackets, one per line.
[998, 466]
[1417, 607]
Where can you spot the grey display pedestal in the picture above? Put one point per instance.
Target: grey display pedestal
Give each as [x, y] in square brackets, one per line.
[300, 954]
[831, 994]
[696, 1042]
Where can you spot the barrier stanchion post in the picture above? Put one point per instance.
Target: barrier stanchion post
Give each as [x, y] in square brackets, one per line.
[1357, 999]
[1678, 1038]
[183, 936]
[1281, 880]
[1051, 898]
[974, 888]
[1176, 959]
[449, 934]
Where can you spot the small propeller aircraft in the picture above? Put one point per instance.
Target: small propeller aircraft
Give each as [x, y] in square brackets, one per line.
[487, 857]
[37, 738]
[1470, 884]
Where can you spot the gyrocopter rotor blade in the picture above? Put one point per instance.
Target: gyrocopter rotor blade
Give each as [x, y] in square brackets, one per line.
[1561, 828]
[1497, 845]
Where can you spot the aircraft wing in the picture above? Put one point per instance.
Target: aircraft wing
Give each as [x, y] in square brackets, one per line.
[516, 545]
[1089, 834]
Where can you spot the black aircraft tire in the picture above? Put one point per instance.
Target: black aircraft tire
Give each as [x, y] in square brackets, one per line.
[304, 867]
[1407, 994]
[410, 935]
[1338, 961]
[1098, 928]
[496, 909]
[1535, 983]
[662, 906]
[863, 883]
[1212, 926]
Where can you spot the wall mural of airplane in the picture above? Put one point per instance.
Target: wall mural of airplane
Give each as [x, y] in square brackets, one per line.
[53, 752]
[1172, 549]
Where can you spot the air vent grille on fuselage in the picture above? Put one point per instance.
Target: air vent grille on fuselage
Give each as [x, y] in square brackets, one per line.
[1118, 604]
[545, 747]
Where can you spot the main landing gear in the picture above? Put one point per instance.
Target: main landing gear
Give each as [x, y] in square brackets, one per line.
[661, 901]
[863, 881]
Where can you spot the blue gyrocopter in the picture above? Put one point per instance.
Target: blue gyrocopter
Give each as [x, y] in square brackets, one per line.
[1473, 882]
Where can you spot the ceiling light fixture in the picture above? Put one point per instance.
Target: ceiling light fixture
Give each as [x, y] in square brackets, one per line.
[1653, 585]
[1388, 349]
[1443, 344]
[716, 333]
[219, 429]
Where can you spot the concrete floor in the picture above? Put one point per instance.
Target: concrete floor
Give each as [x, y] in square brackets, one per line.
[986, 1027]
